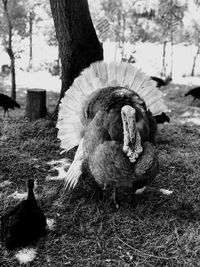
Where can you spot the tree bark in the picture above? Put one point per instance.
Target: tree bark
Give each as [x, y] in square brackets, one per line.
[163, 59]
[31, 16]
[194, 60]
[171, 38]
[36, 104]
[172, 52]
[78, 42]
[10, 50]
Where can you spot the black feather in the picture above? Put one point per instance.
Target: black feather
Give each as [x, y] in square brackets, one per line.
[161, 118]
[160, 82]
[195, 92]
[7, 102]
[24, 223]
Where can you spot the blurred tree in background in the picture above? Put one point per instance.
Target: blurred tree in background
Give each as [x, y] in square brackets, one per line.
[169, 16]
[16, 24]
[130, 20]
[12, 22]
[142, 20]
[191, 32]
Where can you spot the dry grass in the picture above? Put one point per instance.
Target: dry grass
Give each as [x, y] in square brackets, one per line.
[148, 230]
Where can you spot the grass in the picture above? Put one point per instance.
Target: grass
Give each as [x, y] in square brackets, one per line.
[148, 230]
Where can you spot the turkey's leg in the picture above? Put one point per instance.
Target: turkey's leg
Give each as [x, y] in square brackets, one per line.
[113, 198]
[193, 100]
[98, 194]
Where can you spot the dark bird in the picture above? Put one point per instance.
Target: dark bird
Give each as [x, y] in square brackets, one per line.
[7, 102]
[162, 118]
[24, 223]
[108, 112]
[195, 92]
[160, 82]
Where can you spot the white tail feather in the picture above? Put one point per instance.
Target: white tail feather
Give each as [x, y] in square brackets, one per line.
[100, 75]
[75, 169]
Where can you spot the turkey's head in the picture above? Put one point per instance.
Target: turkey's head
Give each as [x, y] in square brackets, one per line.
[129, 123]
[132, 140]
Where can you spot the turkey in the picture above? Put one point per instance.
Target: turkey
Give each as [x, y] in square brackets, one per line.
[118, 158]
[160, 82]
[7, 102]
[162, 118]
[24, 223]
[195, 92]
[108, 113]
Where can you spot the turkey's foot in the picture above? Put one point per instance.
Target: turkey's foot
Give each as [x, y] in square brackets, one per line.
[140, 191]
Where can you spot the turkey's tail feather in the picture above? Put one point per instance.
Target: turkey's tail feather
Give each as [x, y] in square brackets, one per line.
[99, 75]
[75, 169]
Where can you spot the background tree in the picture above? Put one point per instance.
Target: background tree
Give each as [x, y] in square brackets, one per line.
[169, 17]
[12, 21]
[35, 10]
[129, 20]
[191, 33]
[78, 43]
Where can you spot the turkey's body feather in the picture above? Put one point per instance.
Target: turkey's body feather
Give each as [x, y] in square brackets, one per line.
[106, 162]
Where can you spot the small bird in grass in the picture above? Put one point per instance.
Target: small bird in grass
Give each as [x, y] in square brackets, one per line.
[162, 118]
[7, 102]
[160, 82]
[24, 223]
[195, 92]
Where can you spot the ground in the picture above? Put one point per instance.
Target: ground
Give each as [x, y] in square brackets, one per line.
[151, 229]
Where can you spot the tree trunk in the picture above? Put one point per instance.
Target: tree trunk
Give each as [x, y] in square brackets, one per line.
[10, 50]
[12, 70]
[123, 32]
[31, 15]
[172, 47]
[194, 61]
[36, 104]
[78, 42]
[13, 79]
[163, 59]
[171, 38]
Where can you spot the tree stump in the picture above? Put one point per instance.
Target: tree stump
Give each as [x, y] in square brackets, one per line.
[36, 104]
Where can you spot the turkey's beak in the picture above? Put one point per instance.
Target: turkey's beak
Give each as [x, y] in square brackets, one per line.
[129, 122]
